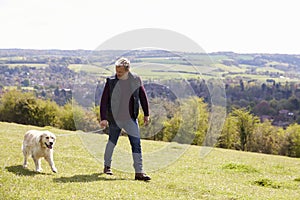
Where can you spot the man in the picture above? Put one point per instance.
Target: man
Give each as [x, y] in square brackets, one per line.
[119, 109]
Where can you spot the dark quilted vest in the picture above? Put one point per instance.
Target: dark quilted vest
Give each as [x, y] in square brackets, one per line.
[114, 97]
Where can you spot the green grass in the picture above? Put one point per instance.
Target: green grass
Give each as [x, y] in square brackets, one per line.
[16, 87]
[173, 71]
[88, 68]
[222, 174]
[230, 68]
[148, 70]
[269, 69]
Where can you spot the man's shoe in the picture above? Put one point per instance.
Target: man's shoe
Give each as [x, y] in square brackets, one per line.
[142, 177]
[107, 170]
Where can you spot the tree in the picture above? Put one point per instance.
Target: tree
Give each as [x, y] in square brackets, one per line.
[229, 137]
[161, 111]
[263, 108]
[267, 138]
[246, 123]
[293, 103]
[242, 85]
[292, 144]
[189, 124]
[25, 83]
[264, 87]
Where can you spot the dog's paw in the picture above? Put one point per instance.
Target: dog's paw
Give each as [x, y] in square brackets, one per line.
[39, 170]
[54, 170]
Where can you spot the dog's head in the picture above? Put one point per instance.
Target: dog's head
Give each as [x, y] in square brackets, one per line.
[47, 139]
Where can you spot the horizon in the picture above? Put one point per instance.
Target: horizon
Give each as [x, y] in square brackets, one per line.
[215, 52]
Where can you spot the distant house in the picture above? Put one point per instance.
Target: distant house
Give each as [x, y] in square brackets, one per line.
[283, 112]
[284, 118]
[286, 113]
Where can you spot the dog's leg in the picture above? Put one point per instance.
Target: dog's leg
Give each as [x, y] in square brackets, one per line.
[50, 160]
[37, 162]
[25, 153]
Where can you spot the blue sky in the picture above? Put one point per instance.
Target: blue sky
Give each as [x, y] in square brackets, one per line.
[242, 26]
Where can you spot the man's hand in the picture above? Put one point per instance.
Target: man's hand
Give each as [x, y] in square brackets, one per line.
[146, 120]
[103, 123]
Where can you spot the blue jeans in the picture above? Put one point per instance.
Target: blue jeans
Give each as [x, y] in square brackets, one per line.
[132, 129]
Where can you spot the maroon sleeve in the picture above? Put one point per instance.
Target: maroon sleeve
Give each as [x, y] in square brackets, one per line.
[104, 102]
[144, 101]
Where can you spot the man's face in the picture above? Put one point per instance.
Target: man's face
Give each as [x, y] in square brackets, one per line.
[120, 71]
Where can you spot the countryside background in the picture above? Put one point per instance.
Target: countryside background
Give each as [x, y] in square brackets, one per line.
[60, 90]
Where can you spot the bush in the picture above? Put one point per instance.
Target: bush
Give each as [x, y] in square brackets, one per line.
[25, 108]
[10, 104]
[183, 121]
[66, 119]
[73, 117]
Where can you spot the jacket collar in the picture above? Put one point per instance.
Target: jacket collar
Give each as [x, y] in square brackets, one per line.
[130, 76]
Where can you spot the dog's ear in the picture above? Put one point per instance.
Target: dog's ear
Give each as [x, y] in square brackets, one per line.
[54, 136]
[40, 138]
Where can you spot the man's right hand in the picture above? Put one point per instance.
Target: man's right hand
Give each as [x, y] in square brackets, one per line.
[103, 123]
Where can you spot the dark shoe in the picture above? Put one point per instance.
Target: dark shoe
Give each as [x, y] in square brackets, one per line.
[107, 170]
[142, 177]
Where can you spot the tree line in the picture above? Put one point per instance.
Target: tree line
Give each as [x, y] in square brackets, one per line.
[26, 108]
[186, 121]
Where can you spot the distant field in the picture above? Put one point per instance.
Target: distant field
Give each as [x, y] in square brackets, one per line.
[222, 174]
[166, 71]
[186, 66]
[12, 58]
[28, 65]
[15, 87]
[86, 68]
[230, 68]
[163, 71]
[269, 69]
[149, 70]
[200, 60]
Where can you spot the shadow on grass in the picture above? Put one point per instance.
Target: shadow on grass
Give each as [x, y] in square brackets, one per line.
[85, 178]
[21, 171]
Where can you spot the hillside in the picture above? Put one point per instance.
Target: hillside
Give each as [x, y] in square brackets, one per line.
[267, 84]
[257, 67]
[222, 174]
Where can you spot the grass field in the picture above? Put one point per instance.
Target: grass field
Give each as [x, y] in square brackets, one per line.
[28, 65]
[162, 69]
[87, 68]
[222, 174]
[148, 70]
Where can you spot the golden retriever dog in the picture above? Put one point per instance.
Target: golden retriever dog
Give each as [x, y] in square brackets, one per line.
[38, 145]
